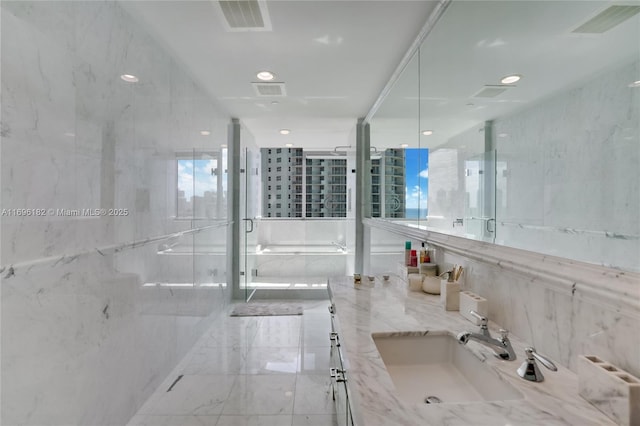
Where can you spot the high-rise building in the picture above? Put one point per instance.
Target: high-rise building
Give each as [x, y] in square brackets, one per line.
[282, 182]
[290, 190]
[326, 186]
[388, 194]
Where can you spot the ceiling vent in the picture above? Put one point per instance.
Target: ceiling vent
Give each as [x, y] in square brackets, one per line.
[245, 15]
[269, 90]
[491, 91]
[607, 19]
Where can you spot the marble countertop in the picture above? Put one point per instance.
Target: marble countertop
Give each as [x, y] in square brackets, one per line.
[389, 307]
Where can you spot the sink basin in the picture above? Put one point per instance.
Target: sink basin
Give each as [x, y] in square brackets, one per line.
[435, 364]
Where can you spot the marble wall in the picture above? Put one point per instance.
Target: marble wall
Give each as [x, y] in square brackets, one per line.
[563, 308]
[567, 188]
[98, 308]
[568, 173]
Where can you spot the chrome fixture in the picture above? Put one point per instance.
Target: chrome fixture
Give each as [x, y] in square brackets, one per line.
[458, 221]
[529, 369]
[501, 347]
[341, 247]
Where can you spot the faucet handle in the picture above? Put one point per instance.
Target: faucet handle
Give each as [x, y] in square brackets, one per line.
[483, 320]
[529, 369]
[531, 353]
[504, 334]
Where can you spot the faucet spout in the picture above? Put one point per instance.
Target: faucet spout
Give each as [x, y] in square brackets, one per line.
[501, 347]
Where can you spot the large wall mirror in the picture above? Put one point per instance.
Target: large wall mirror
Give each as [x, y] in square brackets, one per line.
[525, 116]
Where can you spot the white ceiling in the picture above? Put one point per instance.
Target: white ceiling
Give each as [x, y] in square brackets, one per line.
[475, 43]
[334, 57]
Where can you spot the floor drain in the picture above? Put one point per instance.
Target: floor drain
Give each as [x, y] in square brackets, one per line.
[432, 400]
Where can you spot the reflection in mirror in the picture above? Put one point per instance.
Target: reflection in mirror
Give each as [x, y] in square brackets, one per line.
[399, 176]
[557, 143]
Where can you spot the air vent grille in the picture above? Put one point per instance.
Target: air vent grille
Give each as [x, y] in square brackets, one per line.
[245, 15]
[491, 91]
[607, 19]
[269, 89]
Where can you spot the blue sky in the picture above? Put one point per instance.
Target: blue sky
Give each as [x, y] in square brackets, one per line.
[417, 177]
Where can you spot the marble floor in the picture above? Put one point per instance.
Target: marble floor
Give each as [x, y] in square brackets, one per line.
[251, 371]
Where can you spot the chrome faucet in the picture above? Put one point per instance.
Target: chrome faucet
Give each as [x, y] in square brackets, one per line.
[501, 346]
[529, 369]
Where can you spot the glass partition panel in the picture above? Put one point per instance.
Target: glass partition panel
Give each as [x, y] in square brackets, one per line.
[394, 133]
[557, 100]
[479, 207]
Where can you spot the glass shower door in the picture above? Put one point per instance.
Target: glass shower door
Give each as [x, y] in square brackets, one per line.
[250, 189]
[479, 212]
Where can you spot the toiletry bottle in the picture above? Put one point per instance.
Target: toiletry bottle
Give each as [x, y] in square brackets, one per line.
[427, 257]
[423, 255]
[414, 258]
[407, 253]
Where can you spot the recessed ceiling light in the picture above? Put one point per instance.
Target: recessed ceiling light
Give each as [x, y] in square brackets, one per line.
[510, 79]
[205, 132]
[635, 84]
[129, 78]
[503, 135]
[288, 145]
[285, 131]
[427, 132]
[404, 145]
[224, 145]
[274, 102]
[265, 76]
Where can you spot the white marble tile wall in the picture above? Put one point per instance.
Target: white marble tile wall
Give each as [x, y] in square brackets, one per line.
[89, 340]
[447, 192]
[558, 321]
[570, 180]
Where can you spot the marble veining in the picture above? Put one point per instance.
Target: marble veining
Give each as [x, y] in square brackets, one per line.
[54, 261]
[388, 308]
[95, 315]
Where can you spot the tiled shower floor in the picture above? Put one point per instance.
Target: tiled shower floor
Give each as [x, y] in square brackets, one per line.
[253, 371]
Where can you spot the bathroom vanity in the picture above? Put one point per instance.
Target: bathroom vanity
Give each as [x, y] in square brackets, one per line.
[392, 351]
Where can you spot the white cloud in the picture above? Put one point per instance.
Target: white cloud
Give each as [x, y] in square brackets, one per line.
[415, 198]
[424, 173]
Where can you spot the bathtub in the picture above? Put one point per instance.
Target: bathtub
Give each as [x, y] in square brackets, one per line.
[301, 250]
[285, 260]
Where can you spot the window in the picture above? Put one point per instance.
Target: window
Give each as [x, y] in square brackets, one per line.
[198, 177]
[328, 184]
[278, 206]
[279, 151]
[278, 178]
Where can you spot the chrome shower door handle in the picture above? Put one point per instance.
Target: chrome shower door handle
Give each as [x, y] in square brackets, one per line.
[251, 223]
